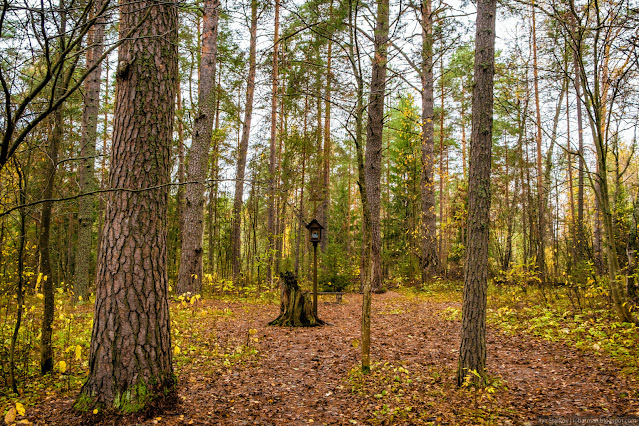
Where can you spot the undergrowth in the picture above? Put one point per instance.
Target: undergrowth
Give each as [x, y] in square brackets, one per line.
[582, 317]
[193, 335]
[549, 314]
[418, 394]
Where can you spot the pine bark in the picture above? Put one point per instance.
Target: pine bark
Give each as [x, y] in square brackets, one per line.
[472, 352]
[242, 150]
[130, 359]
[429, 260]
[374, 133]
[86, 178]
[191, 255]
[272, 149]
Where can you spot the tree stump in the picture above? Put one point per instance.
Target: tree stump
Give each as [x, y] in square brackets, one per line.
[296, 306]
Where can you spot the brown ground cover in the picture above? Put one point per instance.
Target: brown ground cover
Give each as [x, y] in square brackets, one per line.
[310, 375]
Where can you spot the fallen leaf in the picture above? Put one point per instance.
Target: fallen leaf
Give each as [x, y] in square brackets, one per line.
[10, 416]
[20, 409]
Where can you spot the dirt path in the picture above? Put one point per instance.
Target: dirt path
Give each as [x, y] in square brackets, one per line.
[301, 376]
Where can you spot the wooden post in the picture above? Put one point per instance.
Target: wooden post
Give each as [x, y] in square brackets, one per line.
[315, 279]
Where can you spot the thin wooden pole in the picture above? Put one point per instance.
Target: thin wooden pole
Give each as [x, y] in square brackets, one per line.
[315, 278]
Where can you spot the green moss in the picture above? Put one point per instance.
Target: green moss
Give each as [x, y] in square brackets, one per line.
[84, 402]
[134, 399]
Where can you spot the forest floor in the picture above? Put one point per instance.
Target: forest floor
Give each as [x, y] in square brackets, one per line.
[234, 369]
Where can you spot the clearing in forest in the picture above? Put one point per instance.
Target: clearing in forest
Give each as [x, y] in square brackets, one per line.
[234, 369]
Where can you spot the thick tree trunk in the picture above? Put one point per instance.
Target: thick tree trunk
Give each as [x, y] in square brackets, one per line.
[242, 151]
[429, 260]
[374, 133]
[472, 352]
[296, 306]
[191, 255]
[86, 178]
[130, 359]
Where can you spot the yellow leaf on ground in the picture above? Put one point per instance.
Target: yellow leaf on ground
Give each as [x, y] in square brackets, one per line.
[20, 409]
[62, 366]
[10, 416]
[95, 411]
[78, 352]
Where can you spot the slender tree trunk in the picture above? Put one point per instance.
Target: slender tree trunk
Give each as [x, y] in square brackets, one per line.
[541, 247]
[301, 224]
[374, 130]
[548, 161]
[191, 255]
[130, 358]
[46, 347]
[582, 245]
[181, 175]
[242, 151]
[213, 229]
[463, 130]
[574, 240]
[442, 177]
[509, 223]
[272, 150]
[472, 352]
[429, 259]
[88, 138]
[373, 170]
[326, 180]
[20, 286]
[282, 186]
[355, 60]
[105, 154]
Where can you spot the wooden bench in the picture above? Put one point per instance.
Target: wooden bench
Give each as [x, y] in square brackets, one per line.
[338, 295]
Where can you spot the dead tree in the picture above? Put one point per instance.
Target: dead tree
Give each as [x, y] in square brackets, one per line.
[296, 306]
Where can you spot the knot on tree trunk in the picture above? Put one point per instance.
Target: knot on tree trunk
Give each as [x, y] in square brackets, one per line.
[296, 306]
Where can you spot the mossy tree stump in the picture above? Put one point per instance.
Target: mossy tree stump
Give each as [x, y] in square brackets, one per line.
[296, 306]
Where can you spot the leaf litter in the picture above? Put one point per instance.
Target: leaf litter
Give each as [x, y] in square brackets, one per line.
[233, 369]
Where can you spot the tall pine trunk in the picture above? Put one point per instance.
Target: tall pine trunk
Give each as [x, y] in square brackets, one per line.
[429, 260]
[272, 209]
[374, 133]
[472, 352]
[541, 247]
[130, 359]
[86, 178]
[242, 150]
[191, 255]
